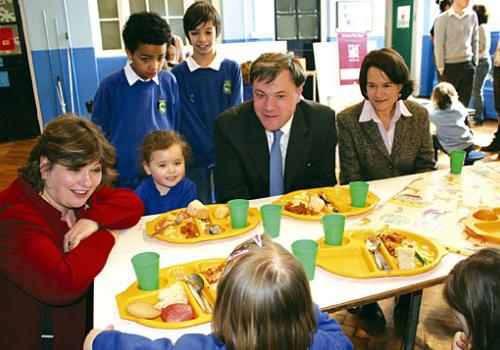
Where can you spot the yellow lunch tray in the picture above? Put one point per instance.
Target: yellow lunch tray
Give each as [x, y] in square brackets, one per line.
[485, 229]
[353, 259]
[173, 233]
[133, 294]
[342, 202]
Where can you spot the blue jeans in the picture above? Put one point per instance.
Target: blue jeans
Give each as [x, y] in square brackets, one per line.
[482, 70]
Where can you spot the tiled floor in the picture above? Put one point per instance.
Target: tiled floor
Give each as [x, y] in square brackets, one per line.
[436, 325]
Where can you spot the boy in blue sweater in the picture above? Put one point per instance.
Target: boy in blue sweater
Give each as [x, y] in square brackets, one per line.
[208, 85]
[140, 98]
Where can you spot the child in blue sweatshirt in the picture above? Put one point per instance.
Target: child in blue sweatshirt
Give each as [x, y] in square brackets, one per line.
[164, 155]
[263, 302]
[208, 85]
[140, 98]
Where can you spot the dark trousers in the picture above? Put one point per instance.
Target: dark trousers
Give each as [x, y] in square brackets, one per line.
[496, 93]
[461, 76]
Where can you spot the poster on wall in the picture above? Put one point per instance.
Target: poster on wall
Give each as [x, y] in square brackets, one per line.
[352, 49]
[9, 40]
[7, 14]
[404, 13]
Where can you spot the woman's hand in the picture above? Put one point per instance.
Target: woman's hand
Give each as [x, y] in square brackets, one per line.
[78, 232]
[89, 339]
[460, 341]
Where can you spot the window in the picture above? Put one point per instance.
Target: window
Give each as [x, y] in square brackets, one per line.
[297, 19]
[114, 13]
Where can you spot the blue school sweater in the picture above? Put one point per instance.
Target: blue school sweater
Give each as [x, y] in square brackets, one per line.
[204, 93]
[127, 114]
[177, 197]
[328, 336]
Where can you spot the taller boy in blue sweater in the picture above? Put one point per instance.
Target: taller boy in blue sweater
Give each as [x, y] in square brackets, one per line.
[208, 85]
[140, 98]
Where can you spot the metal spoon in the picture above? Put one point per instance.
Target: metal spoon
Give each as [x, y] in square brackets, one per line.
[373, 246]
[197, 283]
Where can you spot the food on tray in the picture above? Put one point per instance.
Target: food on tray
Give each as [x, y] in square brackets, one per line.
[177, 313]
[143, 310]
[305, 204]
[308, 203]
[398, 244]
[406, 258]
[212, 274]
[198, 210]
[190, 230]
[221, 212]
[171, 295]
[485, 215]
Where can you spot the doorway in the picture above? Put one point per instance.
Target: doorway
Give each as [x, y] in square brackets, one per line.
[18, 108]
[298, 22]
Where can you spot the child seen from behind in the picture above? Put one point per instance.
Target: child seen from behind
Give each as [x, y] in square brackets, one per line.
[208, 85]
[449, 115]
[473, 292]
[164, 155]
[263, 302]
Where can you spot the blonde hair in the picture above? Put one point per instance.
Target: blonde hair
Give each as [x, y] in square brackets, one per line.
[264, 300]
[444, 95]
[72, 142]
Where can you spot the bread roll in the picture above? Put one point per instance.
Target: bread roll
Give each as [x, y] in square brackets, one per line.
[197, 209]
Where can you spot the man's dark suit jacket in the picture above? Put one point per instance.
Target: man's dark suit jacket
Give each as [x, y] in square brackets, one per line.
[242, 151]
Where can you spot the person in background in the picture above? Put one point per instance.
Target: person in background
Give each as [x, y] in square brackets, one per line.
[494, 145]
[384, 136]
[131, 103]
[261, 283]
[277, 142]
[444, 5]
[456, 47]
[208, 85]
[247, 86]
[170, 58]
[180, 55]
[164, 155]
[448, 115]
[484, 63]
[58, 223]
[472, 291]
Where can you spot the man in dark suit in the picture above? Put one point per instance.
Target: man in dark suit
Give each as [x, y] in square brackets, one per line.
[245, 136]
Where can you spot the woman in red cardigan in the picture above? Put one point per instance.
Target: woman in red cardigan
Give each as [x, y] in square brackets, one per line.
[57, 228]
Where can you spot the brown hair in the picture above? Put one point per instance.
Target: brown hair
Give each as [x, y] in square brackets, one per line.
[163, 139]
[392, 64]
[473, 289]
[269, 65]
[482, 13]
[264, 300]
[245, 71]
[444, 95]
[198, 13]
[72, 142]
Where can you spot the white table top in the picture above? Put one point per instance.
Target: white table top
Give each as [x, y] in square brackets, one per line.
[328, 290]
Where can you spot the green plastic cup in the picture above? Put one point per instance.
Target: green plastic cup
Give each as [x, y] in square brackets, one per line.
[457, 159]
[359, 193]
[238, 210]
[147, 270]
[306, 250]
[333, 228]
[271, 219]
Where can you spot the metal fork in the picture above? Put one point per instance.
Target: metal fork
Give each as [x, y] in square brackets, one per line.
[181, 276]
